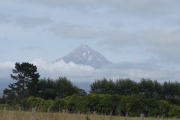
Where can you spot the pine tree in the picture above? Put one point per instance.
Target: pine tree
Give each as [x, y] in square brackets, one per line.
[26, 84]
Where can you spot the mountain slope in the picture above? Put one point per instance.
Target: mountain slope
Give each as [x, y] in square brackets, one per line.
[84, 55]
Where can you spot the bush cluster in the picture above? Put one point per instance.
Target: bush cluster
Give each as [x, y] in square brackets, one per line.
[107, 104]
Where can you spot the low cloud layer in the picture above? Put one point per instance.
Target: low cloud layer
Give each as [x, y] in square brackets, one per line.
[83, 76]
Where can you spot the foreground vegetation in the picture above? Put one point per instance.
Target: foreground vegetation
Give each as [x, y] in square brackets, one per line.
[123, 97]
[106, 104]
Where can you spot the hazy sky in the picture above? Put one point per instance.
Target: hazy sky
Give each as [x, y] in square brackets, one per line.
[142, 37]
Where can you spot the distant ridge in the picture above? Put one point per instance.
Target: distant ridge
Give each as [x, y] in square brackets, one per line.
[84, 55]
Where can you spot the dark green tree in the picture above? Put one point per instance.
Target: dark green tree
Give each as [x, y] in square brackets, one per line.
[82, 92]
[2, 99]
[125, 105]
[91, 102]
[47, 89]
[164, 107]
[64, 87]
[126, 87]
[174, 111]
[157, 90]
[108, 103]
[74, 102]
[103, 86]
[171, 92]
[60, 88]
[26, 77]
[146, 88]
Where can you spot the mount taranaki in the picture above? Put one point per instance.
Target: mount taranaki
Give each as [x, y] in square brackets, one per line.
[84, 55]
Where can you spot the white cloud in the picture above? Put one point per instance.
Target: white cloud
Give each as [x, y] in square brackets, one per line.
[71, 31]
[140, 7]
[59, 69]
[136, 71]
[4, 18]
[163, 44]
[119, 38]
[162, 36]
[159, 43]
[80, 73]
[6, 69]
[30, 22]
[85, 75]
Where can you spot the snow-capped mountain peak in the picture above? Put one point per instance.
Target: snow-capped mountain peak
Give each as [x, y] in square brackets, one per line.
[84, 55]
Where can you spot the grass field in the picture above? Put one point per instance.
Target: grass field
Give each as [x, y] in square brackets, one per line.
[16, 115]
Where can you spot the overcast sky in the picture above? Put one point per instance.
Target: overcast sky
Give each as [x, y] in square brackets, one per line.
[142, 37]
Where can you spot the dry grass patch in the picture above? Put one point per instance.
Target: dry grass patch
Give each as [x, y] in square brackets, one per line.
[16, 115]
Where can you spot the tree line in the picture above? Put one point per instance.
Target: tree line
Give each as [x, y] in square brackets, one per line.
[123, 96]
[147, 88]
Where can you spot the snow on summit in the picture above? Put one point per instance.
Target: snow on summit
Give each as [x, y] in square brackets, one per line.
[84, 55]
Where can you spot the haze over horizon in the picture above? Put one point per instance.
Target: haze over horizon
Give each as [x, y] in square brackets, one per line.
[141, 37]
